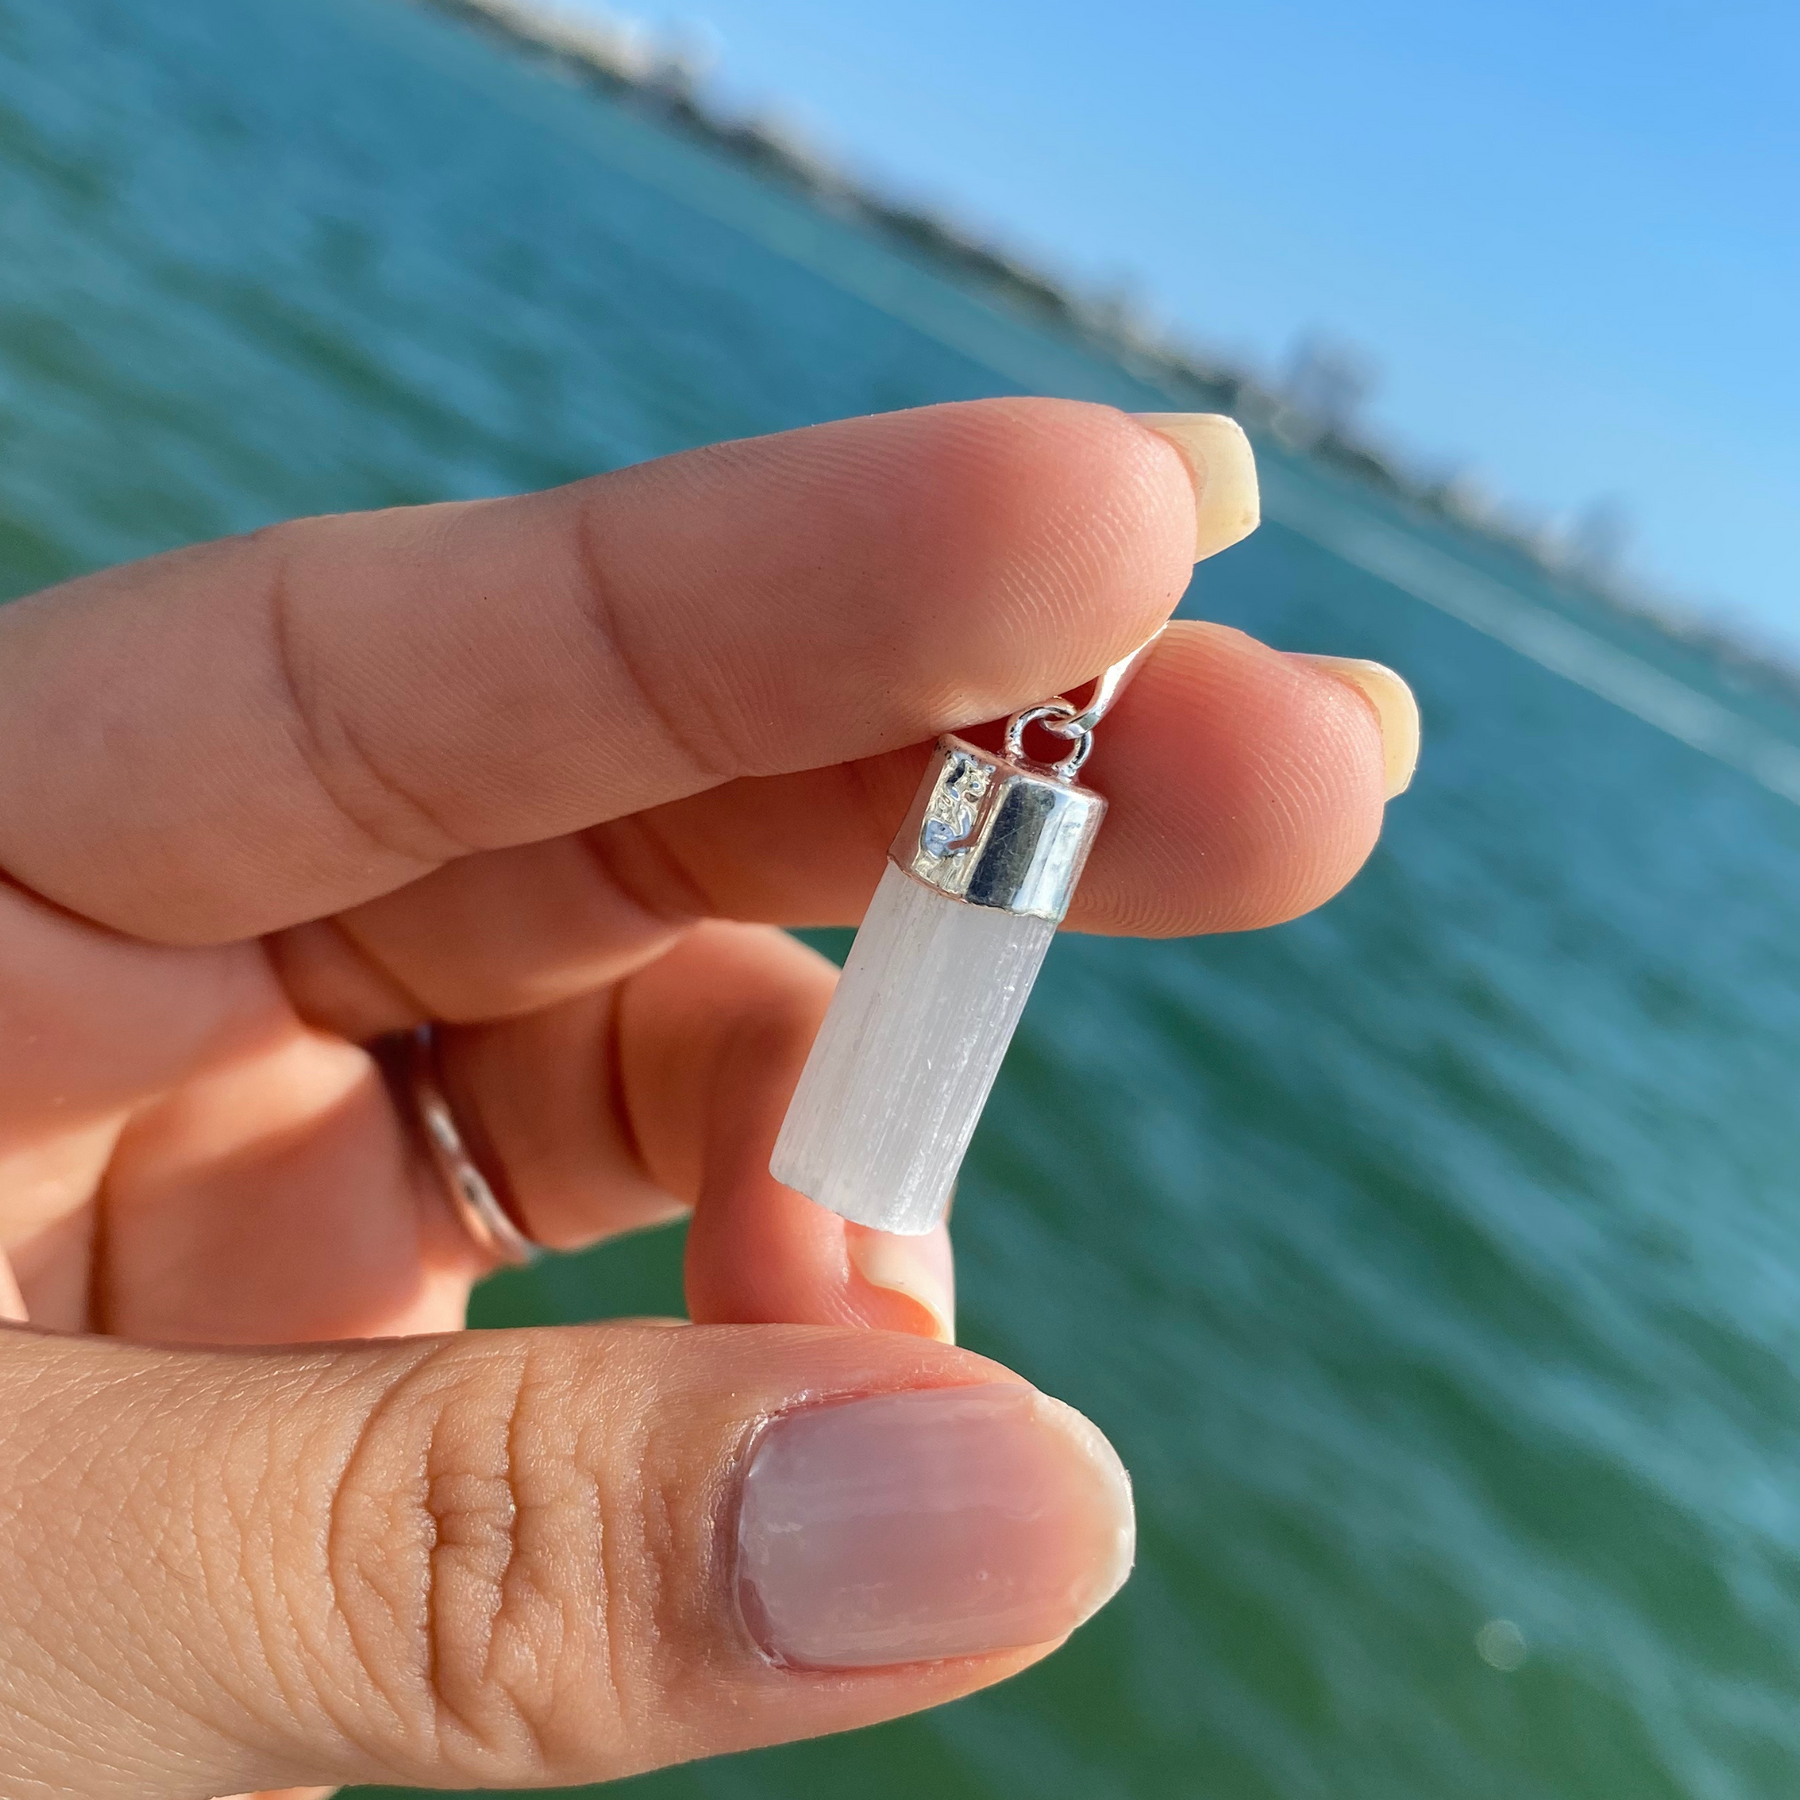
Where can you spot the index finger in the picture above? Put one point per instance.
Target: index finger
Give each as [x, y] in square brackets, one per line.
[229, 739]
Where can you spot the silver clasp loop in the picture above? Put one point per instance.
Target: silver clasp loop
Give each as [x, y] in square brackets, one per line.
[1054, 716]
[1063, 719]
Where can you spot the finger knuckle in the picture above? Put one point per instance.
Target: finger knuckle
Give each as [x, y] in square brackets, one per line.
[681, 711]
[470, 1571]
[371, 797]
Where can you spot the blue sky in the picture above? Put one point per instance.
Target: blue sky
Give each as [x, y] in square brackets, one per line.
[1568, 233]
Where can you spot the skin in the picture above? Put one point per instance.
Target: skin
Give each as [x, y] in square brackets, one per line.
[551, 771]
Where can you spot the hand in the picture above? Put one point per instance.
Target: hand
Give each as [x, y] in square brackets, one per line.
[551, 771]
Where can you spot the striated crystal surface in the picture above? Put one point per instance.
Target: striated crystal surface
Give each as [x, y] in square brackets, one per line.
[902, 1065]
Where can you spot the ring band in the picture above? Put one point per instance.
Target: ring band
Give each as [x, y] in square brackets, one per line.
[472, 1193]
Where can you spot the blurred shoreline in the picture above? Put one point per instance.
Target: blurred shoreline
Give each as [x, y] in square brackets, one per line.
[664, 80]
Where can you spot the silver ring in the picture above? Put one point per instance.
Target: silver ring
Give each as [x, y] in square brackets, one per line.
[1052, 715]
[472, 1196]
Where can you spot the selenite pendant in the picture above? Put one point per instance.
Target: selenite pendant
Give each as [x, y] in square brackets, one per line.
[977, 880]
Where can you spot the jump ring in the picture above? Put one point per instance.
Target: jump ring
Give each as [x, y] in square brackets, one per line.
[1047, 714]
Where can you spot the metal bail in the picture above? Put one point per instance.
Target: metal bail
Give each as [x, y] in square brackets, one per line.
[1112, 683]
[1061, 718]
[1007, 831]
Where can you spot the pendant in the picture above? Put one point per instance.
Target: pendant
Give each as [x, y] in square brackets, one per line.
[977, 880]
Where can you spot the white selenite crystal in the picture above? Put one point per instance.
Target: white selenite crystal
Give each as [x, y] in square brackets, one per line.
[902, 1065]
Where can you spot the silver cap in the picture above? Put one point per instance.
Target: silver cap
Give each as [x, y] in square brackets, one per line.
[991, 831]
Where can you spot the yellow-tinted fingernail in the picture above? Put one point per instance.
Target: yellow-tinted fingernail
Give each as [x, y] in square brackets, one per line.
[1222, 467]
[920, 1268]
[1396, 712]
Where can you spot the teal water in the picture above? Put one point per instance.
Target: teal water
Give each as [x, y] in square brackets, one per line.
[1432, 1261]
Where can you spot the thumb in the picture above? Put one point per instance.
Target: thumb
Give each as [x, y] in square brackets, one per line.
[518, 1559]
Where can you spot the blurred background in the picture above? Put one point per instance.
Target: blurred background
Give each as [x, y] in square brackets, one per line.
[1434, 1262]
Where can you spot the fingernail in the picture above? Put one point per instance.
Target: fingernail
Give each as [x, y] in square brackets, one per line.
[1396, 712]
[932, 1523]
[920, 1269]
[1222, 467]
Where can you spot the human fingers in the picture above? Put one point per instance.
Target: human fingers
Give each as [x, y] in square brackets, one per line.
[519, 1559]
[623, 1108]
[309, 1793]
[270, 1193]
[1245, 786]
[276, 1198]
[93, 1029]
[12, 1300]
[182, 1158]
[229, 739]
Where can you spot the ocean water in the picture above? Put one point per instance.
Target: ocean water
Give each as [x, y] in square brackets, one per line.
[1433, 1261]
